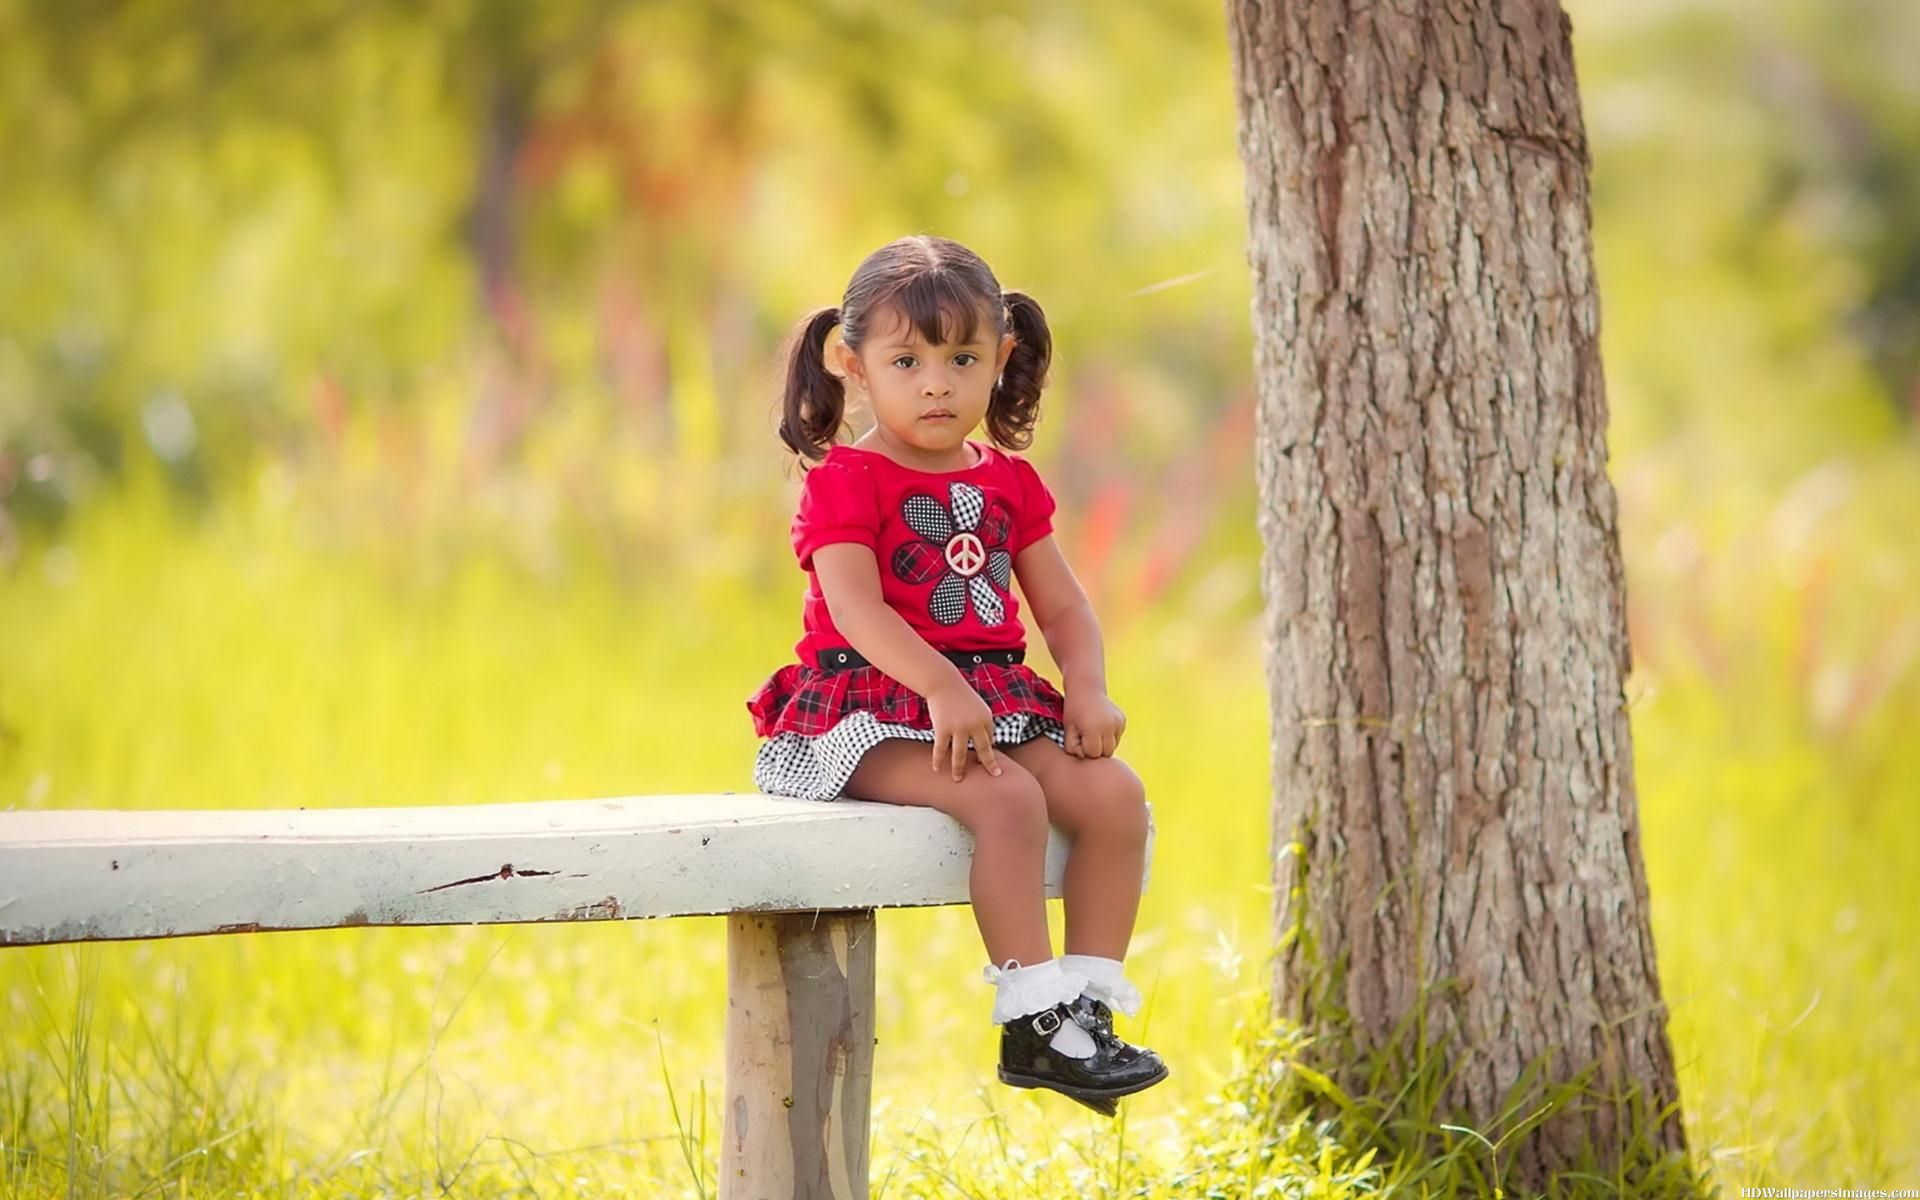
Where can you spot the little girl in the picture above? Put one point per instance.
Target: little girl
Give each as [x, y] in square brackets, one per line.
[910, 537]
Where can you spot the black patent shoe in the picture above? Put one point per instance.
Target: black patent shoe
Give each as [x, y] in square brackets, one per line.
[1114, 1069]
[1097, 1019]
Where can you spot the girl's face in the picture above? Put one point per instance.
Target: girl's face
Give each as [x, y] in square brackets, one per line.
[909, 382]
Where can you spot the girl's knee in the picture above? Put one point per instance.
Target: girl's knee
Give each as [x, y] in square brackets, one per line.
[1123, 801]
[1010, 805]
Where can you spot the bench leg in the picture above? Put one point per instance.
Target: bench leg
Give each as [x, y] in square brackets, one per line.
[799, 1055]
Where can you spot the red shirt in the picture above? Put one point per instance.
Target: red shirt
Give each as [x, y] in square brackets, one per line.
[944, 542]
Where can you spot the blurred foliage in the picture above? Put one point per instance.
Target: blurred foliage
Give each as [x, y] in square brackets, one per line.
[386, 416]
[513, 238]
[474, 269]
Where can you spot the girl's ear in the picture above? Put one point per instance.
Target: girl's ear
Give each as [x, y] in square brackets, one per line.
[1007, 343]
[842, 361]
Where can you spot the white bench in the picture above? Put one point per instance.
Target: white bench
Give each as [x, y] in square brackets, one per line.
[799, 881]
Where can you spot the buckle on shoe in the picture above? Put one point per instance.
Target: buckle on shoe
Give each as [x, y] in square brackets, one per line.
[1048, 1015]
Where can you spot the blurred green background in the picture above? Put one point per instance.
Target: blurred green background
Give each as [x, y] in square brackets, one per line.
[387, 408]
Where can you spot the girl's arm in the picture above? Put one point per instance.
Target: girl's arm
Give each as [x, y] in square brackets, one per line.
[1064, 616]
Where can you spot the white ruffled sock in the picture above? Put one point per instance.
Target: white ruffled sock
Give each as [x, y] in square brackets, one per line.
[1106, 982]
[1021, 991]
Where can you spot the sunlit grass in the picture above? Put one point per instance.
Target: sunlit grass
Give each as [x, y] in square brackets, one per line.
[150, 663]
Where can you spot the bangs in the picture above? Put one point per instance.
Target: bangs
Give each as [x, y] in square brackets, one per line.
[938, 308]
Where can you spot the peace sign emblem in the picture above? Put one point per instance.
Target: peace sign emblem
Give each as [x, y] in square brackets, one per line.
[966, 555]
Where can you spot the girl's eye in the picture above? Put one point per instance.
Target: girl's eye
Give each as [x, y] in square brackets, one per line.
[963, 354]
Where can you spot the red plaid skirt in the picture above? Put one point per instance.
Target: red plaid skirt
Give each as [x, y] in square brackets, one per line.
[806, 700]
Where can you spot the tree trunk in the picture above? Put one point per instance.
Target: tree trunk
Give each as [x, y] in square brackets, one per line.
[1444, 595]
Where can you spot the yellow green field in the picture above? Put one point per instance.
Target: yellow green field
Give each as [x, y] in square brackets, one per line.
[153, 662]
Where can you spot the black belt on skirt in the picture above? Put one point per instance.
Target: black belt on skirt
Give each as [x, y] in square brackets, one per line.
[846, 658]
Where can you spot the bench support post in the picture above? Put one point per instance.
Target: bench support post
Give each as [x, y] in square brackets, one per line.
[799, 1045]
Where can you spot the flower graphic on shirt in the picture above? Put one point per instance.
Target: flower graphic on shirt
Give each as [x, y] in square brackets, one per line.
[964, 546]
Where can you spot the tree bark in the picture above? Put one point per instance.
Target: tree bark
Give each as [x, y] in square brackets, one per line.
[1454, 815]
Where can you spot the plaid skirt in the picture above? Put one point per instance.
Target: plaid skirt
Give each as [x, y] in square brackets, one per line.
[816, 725]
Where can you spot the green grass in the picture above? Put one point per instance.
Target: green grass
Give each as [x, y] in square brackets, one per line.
[153, 662]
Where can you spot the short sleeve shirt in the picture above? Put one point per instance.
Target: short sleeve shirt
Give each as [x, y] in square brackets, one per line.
[944, 542]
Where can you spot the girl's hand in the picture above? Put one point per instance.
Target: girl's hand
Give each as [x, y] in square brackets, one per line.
[1094, 724]
[958, 713]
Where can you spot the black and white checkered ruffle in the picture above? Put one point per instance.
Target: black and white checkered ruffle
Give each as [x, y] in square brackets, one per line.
[818, 767]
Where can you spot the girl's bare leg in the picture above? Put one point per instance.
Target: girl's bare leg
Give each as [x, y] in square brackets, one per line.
[1101, 804]
[1007, 815]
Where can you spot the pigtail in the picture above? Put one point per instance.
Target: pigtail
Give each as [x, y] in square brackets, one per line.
[1015, 405]
[815, 401]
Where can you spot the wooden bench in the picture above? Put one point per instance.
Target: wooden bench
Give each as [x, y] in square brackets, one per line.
[798, 880]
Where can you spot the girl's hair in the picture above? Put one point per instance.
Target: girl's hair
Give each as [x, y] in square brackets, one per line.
[927, 278]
